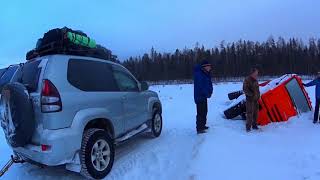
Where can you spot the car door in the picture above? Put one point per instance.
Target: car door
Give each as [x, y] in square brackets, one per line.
[134, 101]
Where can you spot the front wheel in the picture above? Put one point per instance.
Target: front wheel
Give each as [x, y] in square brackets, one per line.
[156, 124]
[97, 154]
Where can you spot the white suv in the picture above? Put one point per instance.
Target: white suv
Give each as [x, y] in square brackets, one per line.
[73, 110]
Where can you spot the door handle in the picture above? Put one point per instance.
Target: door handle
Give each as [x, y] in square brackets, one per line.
[124, 98]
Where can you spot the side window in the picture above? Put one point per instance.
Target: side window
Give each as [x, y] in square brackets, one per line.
[124, 80]
[93, 76]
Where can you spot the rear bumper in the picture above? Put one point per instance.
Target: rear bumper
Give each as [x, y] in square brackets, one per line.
[64, 143]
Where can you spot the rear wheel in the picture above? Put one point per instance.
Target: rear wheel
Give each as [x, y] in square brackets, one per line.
[97, 154]
[235, 95]
[235, 110]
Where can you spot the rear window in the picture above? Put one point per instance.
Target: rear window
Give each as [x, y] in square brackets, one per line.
[30, 75]
[297, 96]
[88, 75]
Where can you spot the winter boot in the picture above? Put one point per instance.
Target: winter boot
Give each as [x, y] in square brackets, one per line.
[255, 127]
[248, 128]
[201, 130]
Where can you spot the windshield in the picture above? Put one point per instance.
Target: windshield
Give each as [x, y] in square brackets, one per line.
[297, 96]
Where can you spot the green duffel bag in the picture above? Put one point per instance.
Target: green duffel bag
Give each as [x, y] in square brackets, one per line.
[81, 40]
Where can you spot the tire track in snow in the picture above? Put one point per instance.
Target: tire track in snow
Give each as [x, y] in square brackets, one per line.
[168, 157]
[196, 147]
[195, 152]
[128, 156]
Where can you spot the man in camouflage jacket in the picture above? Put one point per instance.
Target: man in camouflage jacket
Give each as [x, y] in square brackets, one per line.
[252, 92]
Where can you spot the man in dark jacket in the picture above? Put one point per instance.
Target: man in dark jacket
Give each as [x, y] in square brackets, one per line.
[252, 92]
[202, 91]
[316, 82]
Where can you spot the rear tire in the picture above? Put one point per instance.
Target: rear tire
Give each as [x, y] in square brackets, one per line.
[235, 95]
[235, 110]
[156, 124]
[97, 154]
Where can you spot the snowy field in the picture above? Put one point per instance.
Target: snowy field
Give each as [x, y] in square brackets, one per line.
[282, 151]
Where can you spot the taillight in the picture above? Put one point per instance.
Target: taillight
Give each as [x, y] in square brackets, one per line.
[45, 147]
[50, 98]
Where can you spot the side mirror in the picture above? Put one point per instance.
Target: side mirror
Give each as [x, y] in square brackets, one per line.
[144, 86]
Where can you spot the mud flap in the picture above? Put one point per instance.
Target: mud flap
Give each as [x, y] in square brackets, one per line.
[75, 165]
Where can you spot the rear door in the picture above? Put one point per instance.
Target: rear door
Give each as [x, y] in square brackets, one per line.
[29, 75]
[135, 102]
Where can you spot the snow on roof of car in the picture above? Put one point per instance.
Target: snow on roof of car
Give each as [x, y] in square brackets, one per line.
[275, 83]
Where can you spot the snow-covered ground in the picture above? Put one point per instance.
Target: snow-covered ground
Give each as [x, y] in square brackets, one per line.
[282, 151]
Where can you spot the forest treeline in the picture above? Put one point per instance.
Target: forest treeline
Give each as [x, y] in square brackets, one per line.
[273, 57]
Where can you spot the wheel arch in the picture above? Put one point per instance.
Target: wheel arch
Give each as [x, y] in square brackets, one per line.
[157, 106]
[93, 118]
[101, 123]
[154, 103]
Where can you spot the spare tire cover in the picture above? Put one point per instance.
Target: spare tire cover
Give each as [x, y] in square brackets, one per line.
[17, 114]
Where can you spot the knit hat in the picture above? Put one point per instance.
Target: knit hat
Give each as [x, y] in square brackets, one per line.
[205, 63]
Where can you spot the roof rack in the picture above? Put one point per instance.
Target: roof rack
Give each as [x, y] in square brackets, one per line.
[58, 48]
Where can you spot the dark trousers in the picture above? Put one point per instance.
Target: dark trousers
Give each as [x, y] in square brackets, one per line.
[316, 111]
[202, 111]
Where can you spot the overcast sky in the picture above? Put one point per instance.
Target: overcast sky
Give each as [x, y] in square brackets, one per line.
[131, 27]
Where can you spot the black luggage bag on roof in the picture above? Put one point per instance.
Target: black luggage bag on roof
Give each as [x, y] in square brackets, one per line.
[55, 42]
[54, 35]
